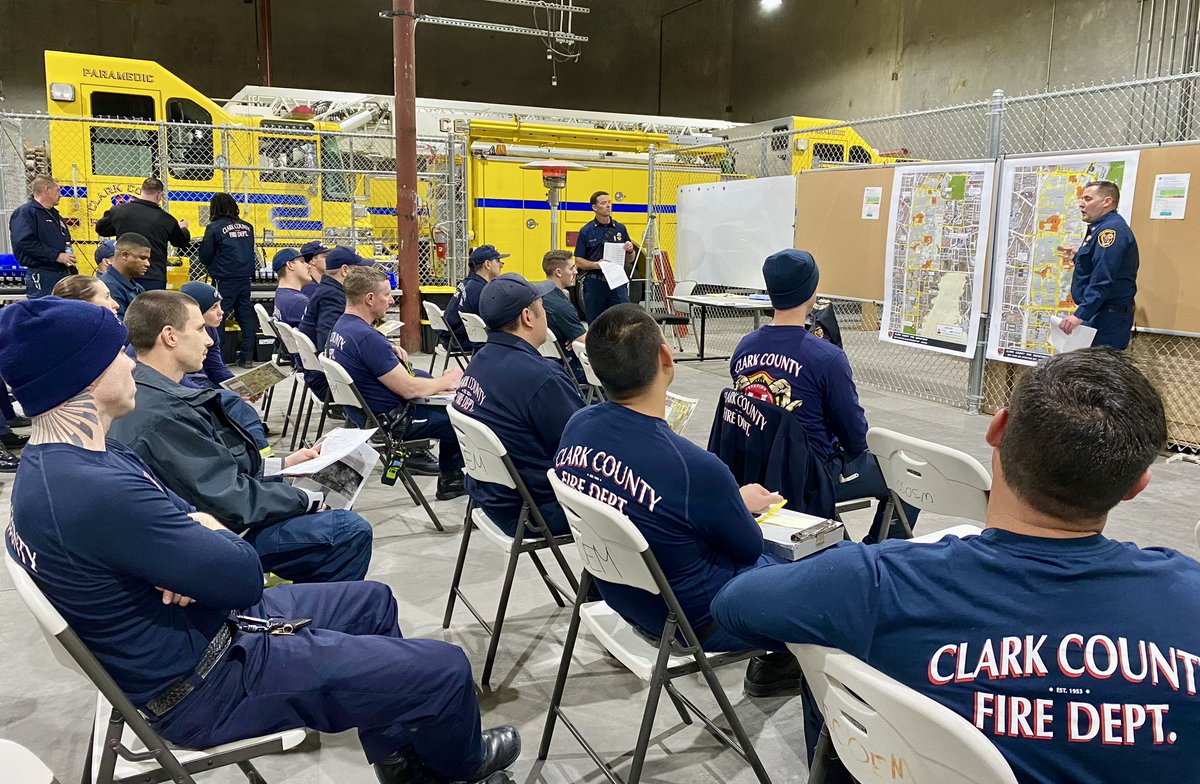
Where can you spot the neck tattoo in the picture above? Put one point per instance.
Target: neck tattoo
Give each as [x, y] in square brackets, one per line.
[75, 422]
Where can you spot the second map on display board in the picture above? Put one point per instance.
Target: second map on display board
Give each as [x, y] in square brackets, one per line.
[1038, 213]
[937, 245]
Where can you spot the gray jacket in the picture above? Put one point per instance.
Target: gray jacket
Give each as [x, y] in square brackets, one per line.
[208, 459]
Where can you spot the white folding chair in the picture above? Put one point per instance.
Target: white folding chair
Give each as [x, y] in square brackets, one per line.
[284, 331]
[268, 327]
[595, 391]
[437, 322]
[614, 550]
[873, 720]
[345, 393]
[929, 476]
[1198, 533]
[123, 747]
[485, 459]
[310, 362]
[477, 331]
[22, 766]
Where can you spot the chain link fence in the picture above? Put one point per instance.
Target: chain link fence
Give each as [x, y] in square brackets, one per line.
[294, 183]
[1133, 113]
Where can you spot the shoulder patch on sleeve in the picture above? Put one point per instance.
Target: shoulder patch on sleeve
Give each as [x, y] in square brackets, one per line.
[1106, 238]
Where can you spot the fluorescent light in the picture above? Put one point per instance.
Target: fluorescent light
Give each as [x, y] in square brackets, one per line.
[770, 5]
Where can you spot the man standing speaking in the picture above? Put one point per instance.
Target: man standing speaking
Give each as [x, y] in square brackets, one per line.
[1106, 265]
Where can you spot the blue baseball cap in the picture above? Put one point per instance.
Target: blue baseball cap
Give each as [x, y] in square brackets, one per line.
[310, 249]
[486, 253]
[205, 295]
[342, 256]
[503, 299]
[105, 250]
[282, 257]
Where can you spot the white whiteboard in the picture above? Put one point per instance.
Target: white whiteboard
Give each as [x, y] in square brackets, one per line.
[725, 230]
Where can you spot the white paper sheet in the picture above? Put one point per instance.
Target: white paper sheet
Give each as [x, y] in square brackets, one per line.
[613, 265]
[1170, 196]
[1080, 337]
[872, 199]
[336, 444]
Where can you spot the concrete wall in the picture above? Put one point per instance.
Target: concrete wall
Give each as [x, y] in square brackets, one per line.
[722, 59]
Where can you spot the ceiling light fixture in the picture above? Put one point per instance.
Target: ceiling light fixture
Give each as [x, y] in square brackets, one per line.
[770, 5]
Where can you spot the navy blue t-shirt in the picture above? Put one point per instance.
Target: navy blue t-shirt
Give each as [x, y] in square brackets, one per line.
[562, 318]
[526, 399]
[289, 306]
[325, 306]
[366, 355]
[99, 541]
[465, 300]
[808, 376]
[683, 500]
[1078, 658]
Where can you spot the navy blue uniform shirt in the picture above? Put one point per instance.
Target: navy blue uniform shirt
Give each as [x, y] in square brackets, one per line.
[682, 498]
[310, 288]
[38, 235]
[526, 399]
[808, 376]
[589, 244]
[563, 318]
[99, 541]
[1079, 658]
[121, 288]
[289, 306]
[1106, 266]
[227, 249]
[465, 300]
[325, 307]
[367, 356]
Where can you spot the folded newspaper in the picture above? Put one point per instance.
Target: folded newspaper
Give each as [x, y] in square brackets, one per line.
[341, 470]
[679, 411]
[254, 382]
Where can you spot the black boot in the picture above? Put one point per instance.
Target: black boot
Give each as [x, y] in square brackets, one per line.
[8, 461]
[501, 747]
[406, 768]
[772, 675]
[421, 462]
[13, 441]
[451, 486]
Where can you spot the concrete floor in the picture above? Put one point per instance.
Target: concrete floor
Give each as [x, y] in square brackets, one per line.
[48, 709]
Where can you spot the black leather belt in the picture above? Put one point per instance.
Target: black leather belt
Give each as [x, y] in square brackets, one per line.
[1124, 309]
[173, 695]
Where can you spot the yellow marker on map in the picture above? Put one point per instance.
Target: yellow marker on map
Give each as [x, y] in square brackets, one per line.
[767, 514]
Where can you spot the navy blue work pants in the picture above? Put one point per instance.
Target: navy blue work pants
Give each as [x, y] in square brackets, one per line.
[598, 297]
[351, 668]
[1112, 329]
[433, 422]
[235, 299]
[40, 282]
[861, 477]
[322, 547]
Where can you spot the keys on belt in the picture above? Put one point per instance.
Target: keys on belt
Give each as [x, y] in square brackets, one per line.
[278, 626]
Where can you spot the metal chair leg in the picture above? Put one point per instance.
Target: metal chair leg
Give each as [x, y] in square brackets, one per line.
[498, 625]
[324, 413]
[564, 665]
[739, 732]
[455, 581]
[418, 497]
[821, 757]
[287, 416]
[251, 773]
[537, 563]
[657, 679]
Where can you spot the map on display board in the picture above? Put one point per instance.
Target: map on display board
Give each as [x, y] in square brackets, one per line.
[937, 241]
[1038, 212]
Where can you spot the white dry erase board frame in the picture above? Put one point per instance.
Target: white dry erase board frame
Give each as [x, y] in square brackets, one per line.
[724, 230]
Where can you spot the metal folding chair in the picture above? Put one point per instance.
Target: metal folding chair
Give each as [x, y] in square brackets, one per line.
[344, 392]
[929, 476]
[437, 322]
[921, 739]
[311, 362]
[614, 550]
[477, 331]
[486, 460]
[123, 748]
[672, 317]
[286, 338]
[595, 389]
[268, 328]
